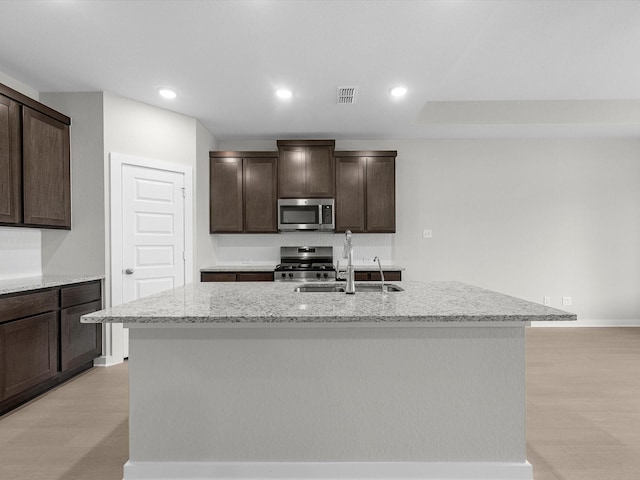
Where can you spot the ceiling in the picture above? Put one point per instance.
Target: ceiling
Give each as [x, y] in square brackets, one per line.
[472, 68]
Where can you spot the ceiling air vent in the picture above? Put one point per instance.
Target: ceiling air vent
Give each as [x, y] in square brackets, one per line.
[347, 94]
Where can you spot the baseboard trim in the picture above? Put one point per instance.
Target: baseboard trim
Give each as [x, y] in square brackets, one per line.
[107, 361]
[328, 470]
[627, 322]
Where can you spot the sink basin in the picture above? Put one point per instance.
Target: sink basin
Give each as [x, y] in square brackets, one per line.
[320, 288]
[376, 287]
[360, 287]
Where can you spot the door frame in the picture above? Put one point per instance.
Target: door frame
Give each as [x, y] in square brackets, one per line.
[113, 343]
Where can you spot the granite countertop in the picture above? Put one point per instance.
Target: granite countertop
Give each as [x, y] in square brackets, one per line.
[268, 268]
[25, 284]
[276, 303]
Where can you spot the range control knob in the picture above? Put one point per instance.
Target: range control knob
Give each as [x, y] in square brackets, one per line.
[318, 275]
[326, 275]
[283, 275]
[290, 275]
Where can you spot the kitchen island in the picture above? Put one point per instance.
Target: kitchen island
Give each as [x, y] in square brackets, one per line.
[255, 381]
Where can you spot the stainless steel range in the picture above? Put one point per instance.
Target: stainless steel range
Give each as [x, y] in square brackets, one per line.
[305, 264]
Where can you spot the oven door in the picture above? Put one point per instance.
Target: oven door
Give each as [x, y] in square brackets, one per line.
[299, 214]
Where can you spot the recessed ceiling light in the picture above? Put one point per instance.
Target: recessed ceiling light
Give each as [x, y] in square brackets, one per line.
[398, 91]
[166, 92]
[283, 93]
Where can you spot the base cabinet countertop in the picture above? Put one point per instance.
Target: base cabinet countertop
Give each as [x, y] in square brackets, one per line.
[255, 381]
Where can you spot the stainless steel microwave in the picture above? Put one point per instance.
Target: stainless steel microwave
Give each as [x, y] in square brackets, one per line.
[306, 214]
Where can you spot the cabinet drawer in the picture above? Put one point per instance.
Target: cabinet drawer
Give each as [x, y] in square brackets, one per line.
[361, 276]
[19, 306]
[254, 277]
[82, 293]
[217, 277]
[391, 276]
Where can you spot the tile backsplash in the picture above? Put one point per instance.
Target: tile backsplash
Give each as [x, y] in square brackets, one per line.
[264, 249]
[20, 252]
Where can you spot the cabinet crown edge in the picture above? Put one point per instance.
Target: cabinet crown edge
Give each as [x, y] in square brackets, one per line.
[34, 104]
[366, 153]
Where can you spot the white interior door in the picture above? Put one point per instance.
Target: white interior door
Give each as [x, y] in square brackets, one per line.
[153, 233]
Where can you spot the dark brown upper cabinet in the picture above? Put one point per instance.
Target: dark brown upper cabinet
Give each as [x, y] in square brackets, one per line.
[35, 155]
[365, 191]
[45, 170]
[243, 192]
[10, 162]
[306, 168]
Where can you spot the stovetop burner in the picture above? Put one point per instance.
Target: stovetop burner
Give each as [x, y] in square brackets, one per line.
[305, 264]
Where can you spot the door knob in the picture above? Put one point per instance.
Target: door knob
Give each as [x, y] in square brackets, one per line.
[129, 271]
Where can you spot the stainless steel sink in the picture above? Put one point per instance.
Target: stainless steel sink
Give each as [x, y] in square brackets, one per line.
[320, 288]
[377, 287]
[360, 287]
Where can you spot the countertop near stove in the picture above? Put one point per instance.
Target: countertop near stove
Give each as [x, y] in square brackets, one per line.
[270, 267]
[236, 304]
[239, 268]
[25, 284]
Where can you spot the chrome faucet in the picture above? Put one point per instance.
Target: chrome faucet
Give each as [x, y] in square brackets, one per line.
[347, 253]
[384, 287]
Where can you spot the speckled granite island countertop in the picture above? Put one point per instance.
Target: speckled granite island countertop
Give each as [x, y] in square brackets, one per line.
[25, 284]
[277, 303]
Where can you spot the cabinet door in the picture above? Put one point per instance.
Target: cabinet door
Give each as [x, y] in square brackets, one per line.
[291, 172]
[350, 195]
[79, 342]
[381, 194]
[320, 172]
[28, 353]
[225, 195]
[46, 167]
[260, 195]
[10, 158]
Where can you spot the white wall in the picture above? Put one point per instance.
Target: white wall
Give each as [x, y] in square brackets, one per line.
[80, 250]
[20, 252]
[205, 252]
[141, 130]
[19, 86]
[20, 248]
[527, 217]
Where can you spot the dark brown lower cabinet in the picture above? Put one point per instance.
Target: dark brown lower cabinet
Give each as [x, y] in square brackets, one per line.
[42, 342]
[79, 342]
[390, 276]
[29, 351]
[236, 276]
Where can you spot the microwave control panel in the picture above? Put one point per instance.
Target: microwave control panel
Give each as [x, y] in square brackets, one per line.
[327, 214]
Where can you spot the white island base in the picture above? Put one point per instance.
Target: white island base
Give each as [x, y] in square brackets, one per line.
[416, 401]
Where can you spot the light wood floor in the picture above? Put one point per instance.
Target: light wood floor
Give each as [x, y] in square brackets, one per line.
[583, 414]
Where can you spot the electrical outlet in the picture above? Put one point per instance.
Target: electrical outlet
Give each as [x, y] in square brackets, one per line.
[546, 301]
[427, 233]
[566, 301]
